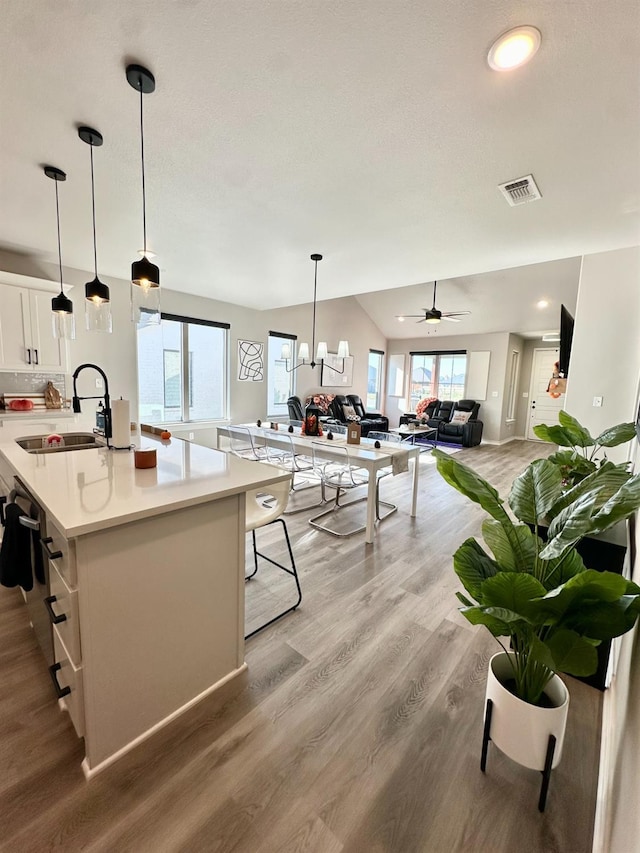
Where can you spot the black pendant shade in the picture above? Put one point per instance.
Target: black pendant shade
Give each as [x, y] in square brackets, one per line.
[96, 291]
[145, 274]
[61, 304]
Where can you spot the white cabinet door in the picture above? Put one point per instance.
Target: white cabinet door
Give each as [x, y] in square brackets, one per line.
[26, 336]
[15, 328]
[49, 352]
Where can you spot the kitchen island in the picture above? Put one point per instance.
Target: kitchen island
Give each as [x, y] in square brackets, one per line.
[147, 567]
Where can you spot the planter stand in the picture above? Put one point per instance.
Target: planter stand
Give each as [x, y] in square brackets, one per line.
[546, 773]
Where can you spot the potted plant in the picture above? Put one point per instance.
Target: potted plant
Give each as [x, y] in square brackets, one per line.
[583, 457]
[551, 611]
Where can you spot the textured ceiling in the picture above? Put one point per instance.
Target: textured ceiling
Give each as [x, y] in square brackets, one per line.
[372, 132]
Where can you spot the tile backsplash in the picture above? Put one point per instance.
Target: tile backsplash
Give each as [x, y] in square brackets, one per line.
[30, 383]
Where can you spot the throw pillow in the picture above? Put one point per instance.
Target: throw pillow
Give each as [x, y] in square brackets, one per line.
[460, 417]
[349, 414]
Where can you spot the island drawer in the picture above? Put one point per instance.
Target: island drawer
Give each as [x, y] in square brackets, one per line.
[68, 681]
[59, 549]
[62, 606]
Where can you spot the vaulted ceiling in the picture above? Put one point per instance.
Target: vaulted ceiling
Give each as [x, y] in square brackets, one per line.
[372, 132]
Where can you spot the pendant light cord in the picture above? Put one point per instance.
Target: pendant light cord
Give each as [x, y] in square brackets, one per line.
[93, 210]
[313, 333]
[144, 200]
[59, 244]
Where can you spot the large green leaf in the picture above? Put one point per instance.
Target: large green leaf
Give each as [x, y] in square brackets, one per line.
[572, 653]
[472, 486]
[616, 435]
[496, 620]
[579, 435]
[604, 482]
[513, 592]
[588, 586]
[473, 566]
[510, 560]
[569, 526]
[535, 491]
[558, 571]
[554, 434]
[603, 620]
[620, 505]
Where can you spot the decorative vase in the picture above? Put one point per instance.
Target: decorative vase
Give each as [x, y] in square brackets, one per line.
[312, 424]
[522, 730]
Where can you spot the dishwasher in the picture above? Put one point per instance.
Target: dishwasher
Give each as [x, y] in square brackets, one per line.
[38, 598]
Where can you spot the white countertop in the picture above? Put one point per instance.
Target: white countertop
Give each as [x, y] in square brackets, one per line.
[89, 490]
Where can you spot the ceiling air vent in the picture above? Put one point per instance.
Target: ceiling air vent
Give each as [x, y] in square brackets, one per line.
[520, 190]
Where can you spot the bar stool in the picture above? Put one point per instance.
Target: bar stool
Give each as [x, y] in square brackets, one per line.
[258, 515]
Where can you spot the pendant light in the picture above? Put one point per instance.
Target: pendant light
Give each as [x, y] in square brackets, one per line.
[322, 351]
[97, 304]
[61, 307]
[145, 276]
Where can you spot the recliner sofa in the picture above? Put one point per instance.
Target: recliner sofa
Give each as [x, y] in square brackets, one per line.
[368, 420]
[467, 434]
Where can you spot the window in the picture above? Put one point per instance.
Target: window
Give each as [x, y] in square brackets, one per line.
[513, 385]
[437, 374]
[374, 380]
[280, 383]
[182, 370]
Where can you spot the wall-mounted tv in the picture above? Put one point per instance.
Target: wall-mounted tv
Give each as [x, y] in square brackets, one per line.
[566, 337]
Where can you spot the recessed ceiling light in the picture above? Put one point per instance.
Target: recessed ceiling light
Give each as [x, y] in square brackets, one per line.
[514, 48]
[542, 304]
[400, 319]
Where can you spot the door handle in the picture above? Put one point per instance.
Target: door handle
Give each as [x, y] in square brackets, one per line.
[35, 360]
[28, 355]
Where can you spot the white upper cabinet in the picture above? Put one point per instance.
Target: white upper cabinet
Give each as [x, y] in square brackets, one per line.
[26, 336]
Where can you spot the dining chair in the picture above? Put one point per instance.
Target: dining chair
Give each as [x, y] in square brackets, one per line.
[343, 475]
[299, 465]
[258, 516]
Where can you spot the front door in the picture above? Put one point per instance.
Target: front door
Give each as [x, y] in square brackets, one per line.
[543, 409]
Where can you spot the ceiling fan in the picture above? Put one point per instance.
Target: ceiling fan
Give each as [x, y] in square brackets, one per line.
[433, 315]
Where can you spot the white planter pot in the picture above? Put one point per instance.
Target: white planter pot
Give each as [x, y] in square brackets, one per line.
[519, 729]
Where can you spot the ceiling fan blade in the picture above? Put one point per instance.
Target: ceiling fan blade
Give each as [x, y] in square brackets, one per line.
[423, 320]
[457, 313]
[450, 319]
[408, 316]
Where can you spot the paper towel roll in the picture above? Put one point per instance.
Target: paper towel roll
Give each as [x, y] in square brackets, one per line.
[121, 424]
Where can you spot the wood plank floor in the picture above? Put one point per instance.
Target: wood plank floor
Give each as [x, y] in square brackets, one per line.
[358, 729]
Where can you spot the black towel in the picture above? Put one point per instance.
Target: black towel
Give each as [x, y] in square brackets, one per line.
[15, 552]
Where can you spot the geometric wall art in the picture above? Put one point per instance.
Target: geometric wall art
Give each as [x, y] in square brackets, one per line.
[250, 361]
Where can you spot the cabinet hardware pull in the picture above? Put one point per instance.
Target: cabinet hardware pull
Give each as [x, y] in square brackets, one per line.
[28, 355]
[61, 692]
[35, 358]
[53, 555]
[56, 620]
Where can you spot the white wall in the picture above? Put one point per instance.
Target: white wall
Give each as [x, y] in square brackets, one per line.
[605, 361]
[491, 408]
[605, 356]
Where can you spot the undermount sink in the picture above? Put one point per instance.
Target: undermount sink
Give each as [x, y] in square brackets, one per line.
[72, 441]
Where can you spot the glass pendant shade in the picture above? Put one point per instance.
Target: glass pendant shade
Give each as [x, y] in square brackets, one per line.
[343, 349]
[303, 351]
[97, 307]
[145, 292]
[62, 319]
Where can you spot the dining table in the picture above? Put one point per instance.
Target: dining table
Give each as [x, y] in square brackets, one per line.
[394, 455]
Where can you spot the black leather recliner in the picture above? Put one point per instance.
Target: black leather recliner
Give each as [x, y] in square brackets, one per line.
[469, 434]
[296, 412]
[368, 421]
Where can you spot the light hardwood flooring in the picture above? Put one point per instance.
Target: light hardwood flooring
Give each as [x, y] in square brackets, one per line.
[358, 730]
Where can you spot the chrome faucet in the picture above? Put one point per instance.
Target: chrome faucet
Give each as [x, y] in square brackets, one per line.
[107, 401]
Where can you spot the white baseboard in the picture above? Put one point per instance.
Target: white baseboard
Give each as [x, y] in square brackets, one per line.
[90, 772]
[503, 440]
[602, 822]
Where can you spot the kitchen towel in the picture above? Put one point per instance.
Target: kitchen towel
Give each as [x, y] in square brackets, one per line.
[121, 424]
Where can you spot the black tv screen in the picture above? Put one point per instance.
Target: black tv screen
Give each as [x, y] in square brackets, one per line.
[566, 337]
